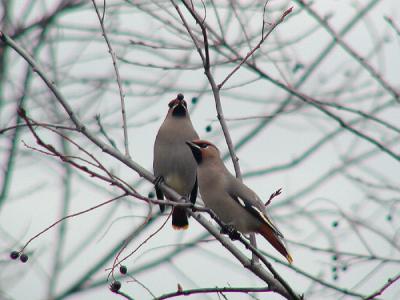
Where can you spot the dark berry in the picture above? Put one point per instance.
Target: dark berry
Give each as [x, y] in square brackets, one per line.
[334, 257]
[194, 100]
[123, 269]
[335, 224]
[335, 277]
[24, 258]
[344, 268]
[14, 254]
[151, 195]
[115, 286]
[389, 218]
[334, 269]
[208, 128]
[180, 97]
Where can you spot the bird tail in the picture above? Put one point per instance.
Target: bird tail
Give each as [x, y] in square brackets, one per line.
[179, 218]
[275, 241]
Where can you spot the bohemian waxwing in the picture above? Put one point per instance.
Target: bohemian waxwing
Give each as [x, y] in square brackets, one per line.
[232, 201]
[173, 161]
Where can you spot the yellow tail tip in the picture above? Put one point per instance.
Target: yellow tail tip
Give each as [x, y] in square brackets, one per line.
[180, 227]
[289, 258]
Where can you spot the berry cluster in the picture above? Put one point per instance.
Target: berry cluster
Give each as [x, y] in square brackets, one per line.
[22, 256]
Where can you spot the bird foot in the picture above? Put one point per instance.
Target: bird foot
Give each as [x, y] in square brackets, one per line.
[184, 199]
[158, 181]
[231, 231]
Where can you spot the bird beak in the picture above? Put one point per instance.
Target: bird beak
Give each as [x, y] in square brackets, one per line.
[180, 103]
[179, 109]
[196, 150]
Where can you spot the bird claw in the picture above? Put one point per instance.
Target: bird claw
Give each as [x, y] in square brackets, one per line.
[234, 235]
[158, 181]
[184, 199]
[231, 231]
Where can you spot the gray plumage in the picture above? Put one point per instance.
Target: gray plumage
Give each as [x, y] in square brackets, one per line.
[173, 160]
[231, 200]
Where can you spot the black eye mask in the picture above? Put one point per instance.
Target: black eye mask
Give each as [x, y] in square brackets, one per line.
[179, 110]
[196, 151]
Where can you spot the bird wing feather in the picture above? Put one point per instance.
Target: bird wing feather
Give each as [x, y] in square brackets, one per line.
[249, 200]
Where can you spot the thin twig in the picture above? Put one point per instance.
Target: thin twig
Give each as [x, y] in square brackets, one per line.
[142, 285]
[361, 60]
[11, 156]
[311, 69]
[390, 21]
[263, 16]
[263, 38]
[116, 259]
[186, 25]
[119, 82]
[126, 296]
[214, 87]
[379, 292]
[273, 195]
[70, 216]
[103, 132]
[4, 130]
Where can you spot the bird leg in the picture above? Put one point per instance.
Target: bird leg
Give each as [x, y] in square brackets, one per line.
[158, 181]
[160, 194]
[184, 199]
[193, 207]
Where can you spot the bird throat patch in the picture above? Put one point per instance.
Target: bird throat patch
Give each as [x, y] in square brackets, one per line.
[179, 111]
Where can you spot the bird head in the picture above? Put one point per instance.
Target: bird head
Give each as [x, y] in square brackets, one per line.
[203, 150]
[178, 106]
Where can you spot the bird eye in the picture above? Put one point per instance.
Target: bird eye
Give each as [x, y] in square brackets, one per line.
[204, 145]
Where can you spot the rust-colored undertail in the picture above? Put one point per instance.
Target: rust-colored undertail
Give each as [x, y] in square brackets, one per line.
[275, 241]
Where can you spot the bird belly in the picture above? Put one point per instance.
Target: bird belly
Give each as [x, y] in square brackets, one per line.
[179, 184]
[178, 168]
[232, 213]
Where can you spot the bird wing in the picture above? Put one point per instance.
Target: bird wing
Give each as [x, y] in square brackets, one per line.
[249, 200]
[193, 194]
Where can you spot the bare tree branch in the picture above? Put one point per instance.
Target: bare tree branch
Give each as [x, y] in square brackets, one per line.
[351, 51]
[276, 284]
[263, 38]
[119, 82]
[245, 290]
[384, 287]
